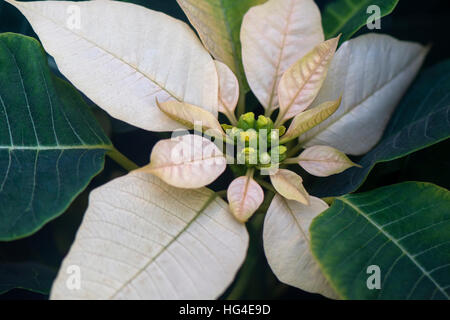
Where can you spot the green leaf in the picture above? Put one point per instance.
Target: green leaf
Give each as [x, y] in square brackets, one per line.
[403, 229]
[348, 16]
[50, 144]
[218, 23]
[31, 276]
[421, 120]
[32, 263]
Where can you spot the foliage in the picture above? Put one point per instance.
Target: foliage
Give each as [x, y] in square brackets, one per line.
[283, 84]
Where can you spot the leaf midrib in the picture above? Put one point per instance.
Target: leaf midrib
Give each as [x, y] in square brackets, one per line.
[57, 147]
[395, 242]
[280, 57]
[307, 80]
[297, 223]
[346, 18]
[212, 197]
[184, 163]
[360, 103]
[39, 146]
[173, 95]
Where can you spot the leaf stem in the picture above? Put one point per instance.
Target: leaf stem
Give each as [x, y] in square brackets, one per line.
[329, 200]
[291, 160]
[121, 160]
[280, 118]
[222, 193]
[241, 103]
[267, 201]
[268, 112]
[250, 172]
[252, 262]
[265, 184]
[231, 117]
[295, 150]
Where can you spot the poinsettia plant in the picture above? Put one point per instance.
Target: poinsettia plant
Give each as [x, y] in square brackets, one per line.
[158, 232]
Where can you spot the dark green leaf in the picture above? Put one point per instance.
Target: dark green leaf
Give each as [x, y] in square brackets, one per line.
[31, 276]
[50, 144]
[32, 263]
[348, 16]
[403, 229]
[421, 120]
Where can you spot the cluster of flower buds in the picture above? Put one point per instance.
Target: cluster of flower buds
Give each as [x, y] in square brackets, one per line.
[257, 140]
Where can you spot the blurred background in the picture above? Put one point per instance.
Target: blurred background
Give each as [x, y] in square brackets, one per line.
[415, 20]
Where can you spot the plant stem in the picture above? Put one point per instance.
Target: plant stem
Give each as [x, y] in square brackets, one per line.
[265, 184]
[280, 118]
[231, 117]
[222, 193]
[268, 112]
[294, 150]
[241, 103]
[250, 172]
[267, 201]
[291, 161]
[252, 262]
[121, 160]
[329, 200]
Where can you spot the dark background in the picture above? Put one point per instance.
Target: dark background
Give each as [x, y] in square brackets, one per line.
[414, 20]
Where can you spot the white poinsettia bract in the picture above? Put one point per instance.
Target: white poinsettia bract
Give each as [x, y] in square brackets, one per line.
[158, 232]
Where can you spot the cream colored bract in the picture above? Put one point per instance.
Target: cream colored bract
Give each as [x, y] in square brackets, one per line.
[157, 233]
[124, 67]
[142, 239]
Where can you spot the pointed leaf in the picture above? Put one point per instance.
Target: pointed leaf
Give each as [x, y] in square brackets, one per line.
[286, 244]
[308, 119]
[403, 229]
[289, 185]
[244, 196]
[188, 115]
[275, 35]
[372, 72]
[188, 161]
[228, 89]
[147, 56]
[50, 144]
[324, 161]
[142, 239]
[218, 23]
[301, 83]
[347, 17]
[421, 120]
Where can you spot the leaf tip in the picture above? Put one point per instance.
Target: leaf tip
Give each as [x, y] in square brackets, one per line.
[357, 165]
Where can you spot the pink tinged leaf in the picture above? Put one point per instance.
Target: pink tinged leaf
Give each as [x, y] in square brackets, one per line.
[189, 116]
[188, 161]
[323, 161]
[290, 185]
[228, 88]
[371, 72]
[274, 35]
[286, 241]
[301, 83]
[244, 196]
[308, 119]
